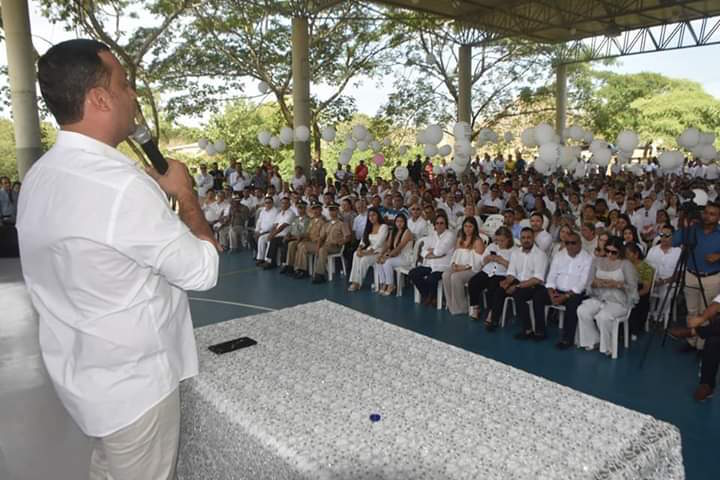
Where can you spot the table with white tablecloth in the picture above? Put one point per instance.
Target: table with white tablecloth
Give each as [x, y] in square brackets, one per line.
[331, 393]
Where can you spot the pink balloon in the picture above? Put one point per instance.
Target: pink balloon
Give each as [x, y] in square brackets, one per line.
[379, 159]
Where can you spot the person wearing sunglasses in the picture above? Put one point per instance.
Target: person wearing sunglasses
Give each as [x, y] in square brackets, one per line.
[663, 257]
[612, 290]
[565, 285]
[418, 226]
[436, 253]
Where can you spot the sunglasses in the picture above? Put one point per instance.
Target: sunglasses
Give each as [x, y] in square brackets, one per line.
[665, 235]
[612, 252]
[571, 242]
[440, 222]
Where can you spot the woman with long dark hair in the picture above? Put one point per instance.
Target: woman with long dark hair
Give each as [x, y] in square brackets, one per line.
[465, 263]
[369, 249]
[612, 290]
[397, 253]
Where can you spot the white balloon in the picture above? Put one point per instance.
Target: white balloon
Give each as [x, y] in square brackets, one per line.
[463, 148]
[707, 153]
[455, 168]
[210, 149]
[351, 144]
[689, 138]
[598, 145]
[579, 171]
[433, 134]
[541, 167]
[275, 142]
[567, 155]
[527, 137]
[362, 145]
[576, 132]
[286, 135]
[328, 134]
[375, 146]
[263, 87]
[444, 151]
[402, 150]
[601, 157]
[627, 140]
[549, 153]
[202, 143]
[431, 150]
[623, 156]
[359, 132]
[587, 137]
[420, 137]
[707, 138]
[401, 173]
[437, 170]
[263, 136]
[461, 161]
[508, 137]
[667, 160]
[302, 133]
[345, 156]
[220, 146]
[544, 133]
[679, 158]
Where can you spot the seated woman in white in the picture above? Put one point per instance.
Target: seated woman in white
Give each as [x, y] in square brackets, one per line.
[612, 290]
[397, 253]
[369, 249]
[465, 263]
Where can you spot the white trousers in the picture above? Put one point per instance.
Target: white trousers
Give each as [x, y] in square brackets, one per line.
[596, 320]
[360, 267]
[144, 450]
[386, 271]
[262, 245]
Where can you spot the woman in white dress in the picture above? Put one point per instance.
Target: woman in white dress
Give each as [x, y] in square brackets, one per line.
[612, 290]
[369, 249]
[465, 263]
[397, 253]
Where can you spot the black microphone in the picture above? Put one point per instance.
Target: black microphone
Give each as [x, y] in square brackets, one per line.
[142, 136]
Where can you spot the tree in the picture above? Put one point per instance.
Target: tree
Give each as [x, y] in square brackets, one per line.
[228, 42]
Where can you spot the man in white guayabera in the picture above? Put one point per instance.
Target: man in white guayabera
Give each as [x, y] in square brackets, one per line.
[106, 262]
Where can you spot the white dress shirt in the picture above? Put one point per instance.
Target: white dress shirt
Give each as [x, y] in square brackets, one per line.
[265, 220]
[663, 262]
[106, 268]
[204, 183]
[443, 246]
[359, 223]
[495, 268]
[286, 217]
[419, 227]
[524, 266]
[569, 273]
[298, 182]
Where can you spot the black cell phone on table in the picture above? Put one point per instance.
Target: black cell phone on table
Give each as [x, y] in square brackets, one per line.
[232, 345]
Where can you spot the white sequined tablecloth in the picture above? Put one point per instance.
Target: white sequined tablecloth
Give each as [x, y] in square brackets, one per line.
[298, 405]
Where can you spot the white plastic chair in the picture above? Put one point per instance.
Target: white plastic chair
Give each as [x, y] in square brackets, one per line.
[401, 272]
[331, 263]
[625, 319]
[492, 223]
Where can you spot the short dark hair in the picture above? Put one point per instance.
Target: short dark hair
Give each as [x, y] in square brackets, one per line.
[527, 229]
[67, 72]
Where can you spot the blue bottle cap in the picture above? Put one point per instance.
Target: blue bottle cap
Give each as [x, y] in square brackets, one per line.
[374, 417]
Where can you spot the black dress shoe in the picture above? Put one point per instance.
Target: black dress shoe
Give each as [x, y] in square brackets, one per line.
[539, 337]
[563, 345]
[301, 274]
[269, 266]
[286, 270]
[687, 348]
[523, 335]
[319, 279]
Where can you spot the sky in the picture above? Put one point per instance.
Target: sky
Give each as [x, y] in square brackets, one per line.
[692, 63]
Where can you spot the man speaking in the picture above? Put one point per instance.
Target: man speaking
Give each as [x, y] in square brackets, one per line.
[106, 262]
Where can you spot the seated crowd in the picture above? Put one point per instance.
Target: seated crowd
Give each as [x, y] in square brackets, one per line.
[595, 251]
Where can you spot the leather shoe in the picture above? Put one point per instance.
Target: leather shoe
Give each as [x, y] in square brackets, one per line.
[286, 269]
[563, 345]
[301, 274]
[539, 337]
[269, 266]
[703, 392]
[319, 279]
[681, 332]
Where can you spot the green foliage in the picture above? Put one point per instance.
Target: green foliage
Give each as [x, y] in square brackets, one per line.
[8, 160]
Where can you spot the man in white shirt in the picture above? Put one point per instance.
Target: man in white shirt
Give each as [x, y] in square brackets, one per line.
[222, 207]
[565, 285]
[107, 267]
[263, 226]
[204, 182]
[589, 237]
[284, 218]
[239, 180]
[663, 257]
[526, 274]
[494, 204]
[437, 252]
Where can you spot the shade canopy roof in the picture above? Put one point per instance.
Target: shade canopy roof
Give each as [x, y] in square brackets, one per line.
[556, 21]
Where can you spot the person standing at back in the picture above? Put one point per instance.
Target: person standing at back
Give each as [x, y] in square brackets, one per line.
[107, 266]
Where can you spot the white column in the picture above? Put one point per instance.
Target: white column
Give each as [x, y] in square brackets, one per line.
[21, 69]
[464, 107]
[560, 98]
[301, 87]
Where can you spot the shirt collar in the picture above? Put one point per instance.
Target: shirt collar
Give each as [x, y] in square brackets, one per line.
[79, 141]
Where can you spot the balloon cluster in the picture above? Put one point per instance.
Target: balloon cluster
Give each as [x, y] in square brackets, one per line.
[700, 144]
[362, 140]
[211, 148]
[286, 136]
[552, 154]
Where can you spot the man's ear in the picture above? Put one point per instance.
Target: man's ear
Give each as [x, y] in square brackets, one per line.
[99, 99]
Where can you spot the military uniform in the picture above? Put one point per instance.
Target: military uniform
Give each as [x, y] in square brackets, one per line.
[236, 229]
[310, 244]
[297, 231]
[335, 234]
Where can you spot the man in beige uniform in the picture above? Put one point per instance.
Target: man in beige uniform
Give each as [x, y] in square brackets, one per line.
[297, 231]
[310, 244]
[335, 234]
